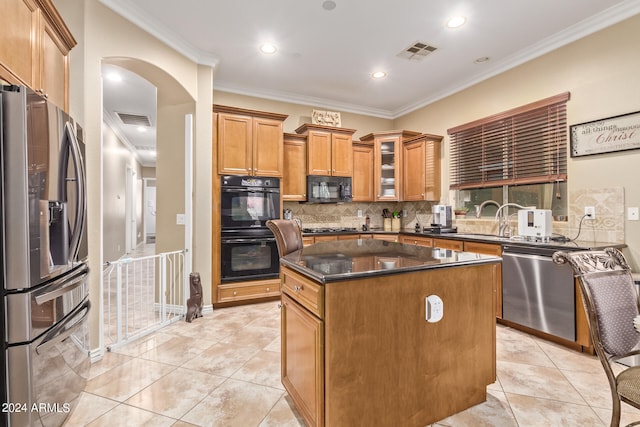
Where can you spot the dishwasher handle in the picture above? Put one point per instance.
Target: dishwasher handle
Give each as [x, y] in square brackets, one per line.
[530, 250]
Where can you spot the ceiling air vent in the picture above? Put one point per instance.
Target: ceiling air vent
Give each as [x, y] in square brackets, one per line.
[134, 119]
[145, 148]
[417, 51]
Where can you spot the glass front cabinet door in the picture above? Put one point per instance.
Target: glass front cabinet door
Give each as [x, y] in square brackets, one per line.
[388, 162]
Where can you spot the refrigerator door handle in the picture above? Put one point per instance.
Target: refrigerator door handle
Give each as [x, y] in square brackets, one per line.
[81, 204]
[63, 329]
[69, 285]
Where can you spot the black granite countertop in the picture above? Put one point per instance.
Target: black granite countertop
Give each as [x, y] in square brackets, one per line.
[519, 241]
[563, 244]
[350, 259]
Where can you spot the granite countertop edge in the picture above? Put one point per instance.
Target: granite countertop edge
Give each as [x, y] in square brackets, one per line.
[324, 279]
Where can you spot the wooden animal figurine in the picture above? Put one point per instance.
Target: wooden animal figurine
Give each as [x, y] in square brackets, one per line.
[194, 303]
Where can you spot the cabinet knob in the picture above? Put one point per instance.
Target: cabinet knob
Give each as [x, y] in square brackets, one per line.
[297, 288]
[235, 293]
[268, 289]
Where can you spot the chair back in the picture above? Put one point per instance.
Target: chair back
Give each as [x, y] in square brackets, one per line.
[609, 296]
[288, 235]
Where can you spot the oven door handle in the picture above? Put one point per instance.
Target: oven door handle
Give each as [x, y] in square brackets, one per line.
[267, 240]
[250, 190]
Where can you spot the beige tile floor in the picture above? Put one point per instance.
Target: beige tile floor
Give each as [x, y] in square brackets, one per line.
[224, 370]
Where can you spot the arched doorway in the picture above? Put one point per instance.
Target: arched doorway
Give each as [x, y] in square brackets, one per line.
[144, 98]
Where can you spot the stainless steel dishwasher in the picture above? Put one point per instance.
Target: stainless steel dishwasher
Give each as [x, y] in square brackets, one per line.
[536, 292]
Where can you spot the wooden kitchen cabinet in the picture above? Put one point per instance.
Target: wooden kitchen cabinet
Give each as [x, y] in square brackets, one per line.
[363, 166]
[389, 237]
[329, 150]
[348, 236]
[249, 142]
[250, 290]
[387, 167]
[302, 367]
[35, 48]
[325, 238]
[294, 173]
[456, 245]
[417, 241]
[421, 168]
[338, 331]
[490, 249]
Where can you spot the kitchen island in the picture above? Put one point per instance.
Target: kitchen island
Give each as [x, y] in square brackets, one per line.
[357, 347]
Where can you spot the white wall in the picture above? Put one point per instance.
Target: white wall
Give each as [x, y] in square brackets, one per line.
[116, 159]
[104, 35]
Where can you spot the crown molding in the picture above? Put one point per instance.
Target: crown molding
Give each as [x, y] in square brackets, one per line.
[302, 100]
[128, 10]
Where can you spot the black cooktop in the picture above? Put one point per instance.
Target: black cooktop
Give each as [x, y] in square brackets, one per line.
[329, 230]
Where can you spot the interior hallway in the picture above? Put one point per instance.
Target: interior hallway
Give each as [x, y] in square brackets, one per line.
[224, 370]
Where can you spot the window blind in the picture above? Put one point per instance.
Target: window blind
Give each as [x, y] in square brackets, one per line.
[525, 145]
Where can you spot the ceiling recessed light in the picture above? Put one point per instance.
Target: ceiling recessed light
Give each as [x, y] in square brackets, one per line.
[328, 5]
[114, 77]
[456, 22]
[141, 129]
[378, 74]
[268, 48]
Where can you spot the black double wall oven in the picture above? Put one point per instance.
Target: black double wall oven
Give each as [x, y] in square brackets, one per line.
[248, 247]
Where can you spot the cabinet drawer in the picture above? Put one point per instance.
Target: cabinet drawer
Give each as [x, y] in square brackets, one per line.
[483, 248]
[308, 294]
[246, 291]
[456, 245]
[418, 241]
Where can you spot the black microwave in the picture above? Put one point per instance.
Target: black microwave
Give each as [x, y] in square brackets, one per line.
[328, 189]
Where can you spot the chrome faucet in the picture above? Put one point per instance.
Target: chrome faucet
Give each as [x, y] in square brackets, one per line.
[503, 220]
[483, 204]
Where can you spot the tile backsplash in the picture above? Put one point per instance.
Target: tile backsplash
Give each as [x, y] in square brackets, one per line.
[607, 227]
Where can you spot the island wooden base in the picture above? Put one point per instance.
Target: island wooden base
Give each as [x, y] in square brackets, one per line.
[368, 357]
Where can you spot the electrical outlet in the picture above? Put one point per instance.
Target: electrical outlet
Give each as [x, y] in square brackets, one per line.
[632, 214]
[590, 212]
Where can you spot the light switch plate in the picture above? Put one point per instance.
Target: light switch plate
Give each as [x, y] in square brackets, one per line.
[632, 214]
[180, 219]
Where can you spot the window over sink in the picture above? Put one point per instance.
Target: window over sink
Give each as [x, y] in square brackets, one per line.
[517, 156]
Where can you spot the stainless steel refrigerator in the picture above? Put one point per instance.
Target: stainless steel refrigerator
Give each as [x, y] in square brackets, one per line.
[45, 291]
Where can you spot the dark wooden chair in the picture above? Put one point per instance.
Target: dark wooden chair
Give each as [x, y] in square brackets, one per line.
[611, 302]
[288, 235]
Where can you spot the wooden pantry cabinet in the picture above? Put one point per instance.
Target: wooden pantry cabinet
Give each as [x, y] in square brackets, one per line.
[329, 149]
[35, 48]
[294, 174]
[249, 142]
[421, 168]
[387, 162]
